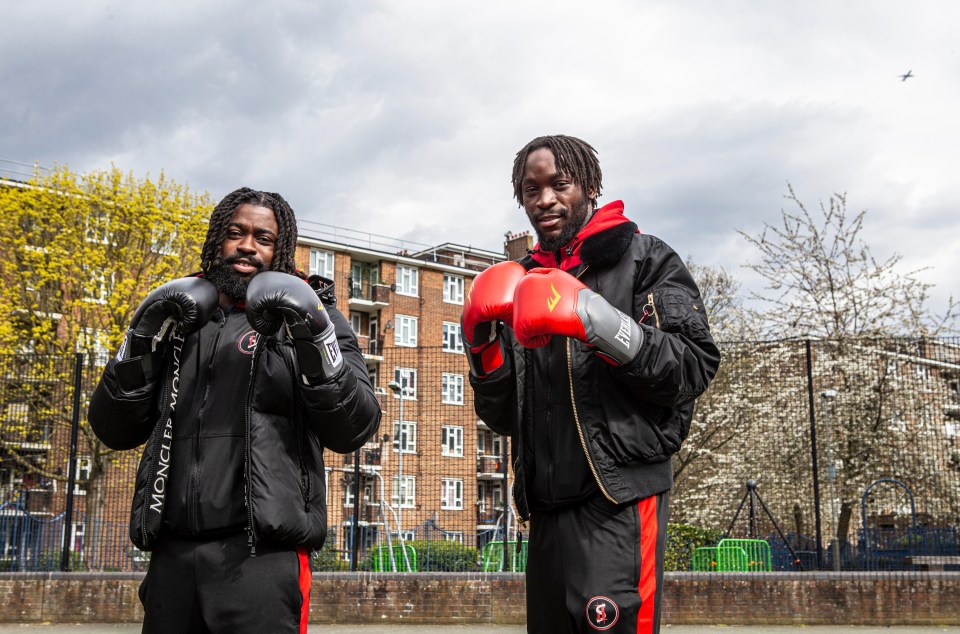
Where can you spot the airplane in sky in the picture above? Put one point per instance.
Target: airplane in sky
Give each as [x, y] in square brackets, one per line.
[906, 76]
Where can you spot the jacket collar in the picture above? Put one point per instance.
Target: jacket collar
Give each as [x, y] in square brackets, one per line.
[601, 242]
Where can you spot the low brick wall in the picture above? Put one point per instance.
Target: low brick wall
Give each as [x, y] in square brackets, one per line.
[689, 598]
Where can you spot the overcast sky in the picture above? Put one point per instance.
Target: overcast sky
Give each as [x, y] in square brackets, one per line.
[402, 118]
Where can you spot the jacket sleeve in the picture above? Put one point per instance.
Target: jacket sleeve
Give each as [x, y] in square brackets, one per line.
[343, 411]
[495, 397]
[678, 357]
[123, 418]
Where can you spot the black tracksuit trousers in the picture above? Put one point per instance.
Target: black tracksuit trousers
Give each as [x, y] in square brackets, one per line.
[216, 587]
[597, 566]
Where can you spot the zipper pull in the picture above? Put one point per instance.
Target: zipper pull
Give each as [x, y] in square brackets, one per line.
[250, 544]
[519, 542]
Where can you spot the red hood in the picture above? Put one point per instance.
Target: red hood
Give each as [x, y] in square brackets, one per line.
[607, 217]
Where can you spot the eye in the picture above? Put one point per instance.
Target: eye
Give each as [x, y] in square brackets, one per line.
[234, 234]
[265, 240]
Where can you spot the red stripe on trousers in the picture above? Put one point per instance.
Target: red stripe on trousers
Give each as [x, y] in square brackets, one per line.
[647, 588]
[305, 579]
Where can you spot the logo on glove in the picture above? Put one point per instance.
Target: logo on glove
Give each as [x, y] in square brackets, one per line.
[553, 301]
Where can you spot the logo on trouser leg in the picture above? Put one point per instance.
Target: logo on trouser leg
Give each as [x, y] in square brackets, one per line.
[602, 613]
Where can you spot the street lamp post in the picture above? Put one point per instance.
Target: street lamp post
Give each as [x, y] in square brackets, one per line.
[827, 397]
[400, 391]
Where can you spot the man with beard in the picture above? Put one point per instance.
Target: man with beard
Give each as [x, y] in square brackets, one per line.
[589, 353]
[236, 379]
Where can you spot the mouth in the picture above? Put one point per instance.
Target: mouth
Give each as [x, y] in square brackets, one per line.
[243, 267]
[548, 222]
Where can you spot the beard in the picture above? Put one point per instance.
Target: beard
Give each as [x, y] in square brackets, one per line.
[228, 281]
[575, 218]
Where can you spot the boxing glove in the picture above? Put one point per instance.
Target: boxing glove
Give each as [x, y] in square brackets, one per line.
[489, 301]
[550, 302]
[185, 303]
[277, 300]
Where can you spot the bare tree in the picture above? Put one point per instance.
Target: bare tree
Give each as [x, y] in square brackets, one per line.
[823, 281]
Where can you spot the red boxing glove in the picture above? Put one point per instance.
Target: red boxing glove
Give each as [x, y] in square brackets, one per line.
[550, 302]
[490, 300]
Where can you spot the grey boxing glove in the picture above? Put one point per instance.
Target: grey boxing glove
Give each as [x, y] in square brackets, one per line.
[185, 303]
[277, 300]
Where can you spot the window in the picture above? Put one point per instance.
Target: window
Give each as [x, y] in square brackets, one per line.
[348, 490]
[405, 491]
[321, 263]
[489, 443]
[407, 378]
[355, 322]
[452, 439]
[405, 334]
[452, 289]
[91, 340]
[405, 436]
[451, 389]
[82, 468]
[101, 287]
[408, 281]
[451, 337]
[451, 494]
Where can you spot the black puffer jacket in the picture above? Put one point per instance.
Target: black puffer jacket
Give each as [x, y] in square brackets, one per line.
[630, 419]
[259, 469]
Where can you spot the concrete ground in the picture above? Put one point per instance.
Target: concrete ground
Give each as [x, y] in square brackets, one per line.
[10, 628]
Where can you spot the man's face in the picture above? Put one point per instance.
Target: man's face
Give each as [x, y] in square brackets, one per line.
[247, 249]
[556, 206]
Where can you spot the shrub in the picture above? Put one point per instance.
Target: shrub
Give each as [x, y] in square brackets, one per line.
[682, 540]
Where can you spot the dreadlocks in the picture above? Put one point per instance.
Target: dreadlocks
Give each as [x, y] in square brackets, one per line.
[285, 247]
[573, 157]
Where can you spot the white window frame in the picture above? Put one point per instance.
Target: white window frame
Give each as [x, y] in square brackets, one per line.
[451, 439]
[409, 499]
[451, 388]
[322, 262]
[451, 494]
[93, 340]
[451, 337]
[408, 281]
[407, 431]
[405, 331]
[407, 378]
[356, 320]
[453, 289]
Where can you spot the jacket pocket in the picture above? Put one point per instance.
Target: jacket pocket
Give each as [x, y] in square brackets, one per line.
[678, 310]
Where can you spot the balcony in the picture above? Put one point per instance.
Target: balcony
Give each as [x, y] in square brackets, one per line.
[488, 468]
[372, 349]
[369, 457]
[368, 298]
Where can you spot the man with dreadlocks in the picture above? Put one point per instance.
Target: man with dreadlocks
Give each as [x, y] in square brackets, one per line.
[589, 352]
[236, 379]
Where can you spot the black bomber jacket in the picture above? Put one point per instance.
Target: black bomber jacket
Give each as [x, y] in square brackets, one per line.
[285, 425]
[630, 419]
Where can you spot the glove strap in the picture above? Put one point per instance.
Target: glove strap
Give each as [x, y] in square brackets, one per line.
[319, 357]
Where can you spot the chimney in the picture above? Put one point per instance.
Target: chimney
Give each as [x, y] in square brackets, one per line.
[516, 245]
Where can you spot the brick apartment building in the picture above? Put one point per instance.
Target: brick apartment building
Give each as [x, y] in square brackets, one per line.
[438, 472]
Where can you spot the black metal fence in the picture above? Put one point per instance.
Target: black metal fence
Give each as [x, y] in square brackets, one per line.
[803, 455]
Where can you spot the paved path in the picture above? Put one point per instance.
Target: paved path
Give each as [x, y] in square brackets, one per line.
[8, 628]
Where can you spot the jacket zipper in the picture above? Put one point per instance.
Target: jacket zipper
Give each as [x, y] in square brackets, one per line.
[251, 531]
[583, 442]
[653, 310]
[194, 507]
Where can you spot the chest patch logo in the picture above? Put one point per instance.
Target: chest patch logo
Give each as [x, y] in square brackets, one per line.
[247, 342]
[602, 613]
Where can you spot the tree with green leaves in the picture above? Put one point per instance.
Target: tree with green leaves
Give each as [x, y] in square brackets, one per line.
[81, 251]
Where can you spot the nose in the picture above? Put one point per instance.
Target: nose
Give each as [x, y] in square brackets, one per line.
[248, 244]
[547, 198]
